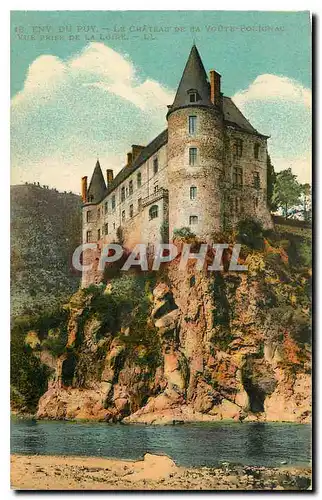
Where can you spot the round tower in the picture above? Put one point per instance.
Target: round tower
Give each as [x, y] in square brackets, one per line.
[195, 151]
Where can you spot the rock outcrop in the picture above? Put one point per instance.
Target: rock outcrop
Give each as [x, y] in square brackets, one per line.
[192, 347]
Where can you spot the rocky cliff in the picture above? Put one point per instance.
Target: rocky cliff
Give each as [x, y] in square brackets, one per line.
[186, 346]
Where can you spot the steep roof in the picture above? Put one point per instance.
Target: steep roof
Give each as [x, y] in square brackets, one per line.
[194, 78]
[234, 117]
[144, 155]
[97, 186]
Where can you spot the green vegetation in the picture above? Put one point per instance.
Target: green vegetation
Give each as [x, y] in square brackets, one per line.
[291, 197]
[250, 233]
[184, 233]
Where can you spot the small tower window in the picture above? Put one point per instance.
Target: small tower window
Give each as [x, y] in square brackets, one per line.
[130, 187]
[155, 165]
[123, 215]
[139, 179]
[256, 202]
[106, 228]
[193, 156]
[192, 125]
[193, 219]
[131, 211]
[106, 207]
[156, 188]
[154, 212]
[193, 193]
[123, 194]
[113, 202]
[256, 151]
[88, 216]
[98, 234]
[98, 213]
[88, 236]
[139, 204]
[256, 180]
[237, 176]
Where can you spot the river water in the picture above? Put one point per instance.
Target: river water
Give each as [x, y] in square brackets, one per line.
[248, 443]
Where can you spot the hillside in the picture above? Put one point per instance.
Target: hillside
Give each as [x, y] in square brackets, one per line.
[45, 230]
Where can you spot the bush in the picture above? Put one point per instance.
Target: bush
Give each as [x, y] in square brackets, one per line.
[184, 233]
[250, 233]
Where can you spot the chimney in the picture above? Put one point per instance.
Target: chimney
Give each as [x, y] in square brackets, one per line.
[215, 91]
[84, 189]
[109, 177]
[136, 150]
[129, 160]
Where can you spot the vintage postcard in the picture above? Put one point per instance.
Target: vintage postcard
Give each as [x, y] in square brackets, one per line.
[161, 250]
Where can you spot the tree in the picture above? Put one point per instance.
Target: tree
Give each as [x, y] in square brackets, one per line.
[271, 179]
[306, 202]
[287, 192]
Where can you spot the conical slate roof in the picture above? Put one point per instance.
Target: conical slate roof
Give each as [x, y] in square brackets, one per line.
[97, 185]
[194, 78]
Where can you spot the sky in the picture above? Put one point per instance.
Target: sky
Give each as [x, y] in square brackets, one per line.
[88, 85]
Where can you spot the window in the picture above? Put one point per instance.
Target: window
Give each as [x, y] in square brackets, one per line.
[192, 156]
[98, 234]
[88, 236]
[98, 213]
[256, 202]
[106, 228]
[237, 176]
[155, 165]
[256, 180]
[88, 216]
[123, 194]
[106, 207]
[90, 198]
[139, 179]
[193, 96]
[139, 204]
[256, 151]
[123, 215]
[156, 188]
[238, 148]
[193, 193]
[154, 212]
[131, 211]
[193, 219]
[130, 187]
[113, 225]
[192, 125]
[113, 202]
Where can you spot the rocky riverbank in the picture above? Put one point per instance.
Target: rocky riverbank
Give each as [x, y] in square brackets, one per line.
[154, 472]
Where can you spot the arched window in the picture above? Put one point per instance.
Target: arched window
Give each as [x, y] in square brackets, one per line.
[154, 212]
[193, 192]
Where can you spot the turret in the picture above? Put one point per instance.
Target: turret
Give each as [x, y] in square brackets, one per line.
[97, 186]
[195, 151]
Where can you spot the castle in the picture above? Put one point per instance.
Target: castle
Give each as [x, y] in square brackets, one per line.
[206, 171]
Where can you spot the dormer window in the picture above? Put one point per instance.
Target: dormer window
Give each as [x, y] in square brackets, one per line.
[193, 95]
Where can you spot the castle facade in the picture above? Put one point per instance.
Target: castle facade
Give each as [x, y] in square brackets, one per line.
[206, 171]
